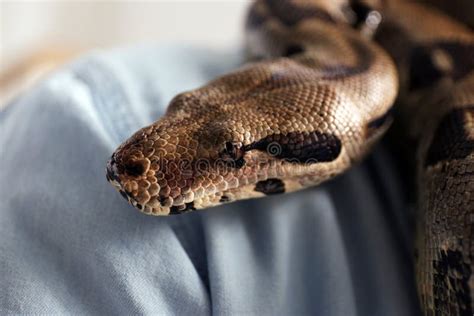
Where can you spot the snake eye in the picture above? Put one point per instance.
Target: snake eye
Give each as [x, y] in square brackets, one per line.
[230, 151]
[230, 147]
[233, 155]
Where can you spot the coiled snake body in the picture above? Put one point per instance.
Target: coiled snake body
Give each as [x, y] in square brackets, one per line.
[316, 98]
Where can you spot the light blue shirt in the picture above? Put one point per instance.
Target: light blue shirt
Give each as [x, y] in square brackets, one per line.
[70, 244]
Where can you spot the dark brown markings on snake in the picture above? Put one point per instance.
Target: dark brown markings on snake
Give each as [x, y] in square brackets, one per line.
[179, 209]
[123, 194]
[255, 18]
[270, 186]
[365, 58]
[279, 79]
[379, 122]
[293, 49]
[451, 283]
[291, 14]
[396, 41]
[239, 163]
[224, 199]
[451, 139]
[423, 71]
[300, 147]
[462, 55]
[430, 63]
[361, 11]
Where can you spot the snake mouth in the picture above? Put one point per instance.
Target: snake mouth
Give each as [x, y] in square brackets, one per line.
[111, 171]
[112, 176]
[115, 181]
[147, 209]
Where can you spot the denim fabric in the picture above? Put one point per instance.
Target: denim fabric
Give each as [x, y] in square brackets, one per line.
[69, 243]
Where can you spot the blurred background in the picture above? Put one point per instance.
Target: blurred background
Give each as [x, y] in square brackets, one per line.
[36, 36]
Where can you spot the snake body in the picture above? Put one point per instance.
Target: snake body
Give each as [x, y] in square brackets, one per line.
[316, 98]
[435, 59]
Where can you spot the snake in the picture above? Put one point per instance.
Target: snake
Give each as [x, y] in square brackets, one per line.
[323, 83]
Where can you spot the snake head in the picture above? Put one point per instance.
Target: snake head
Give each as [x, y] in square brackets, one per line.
[177, 165]
[180, 163]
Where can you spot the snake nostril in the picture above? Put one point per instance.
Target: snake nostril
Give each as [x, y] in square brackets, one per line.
[134, 168]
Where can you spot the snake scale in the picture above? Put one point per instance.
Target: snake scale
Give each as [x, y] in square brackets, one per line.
[318, 93]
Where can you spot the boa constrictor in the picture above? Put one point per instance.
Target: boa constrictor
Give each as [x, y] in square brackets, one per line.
[316, 98]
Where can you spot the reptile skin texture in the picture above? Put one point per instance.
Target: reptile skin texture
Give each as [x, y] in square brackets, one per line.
[324, 83]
